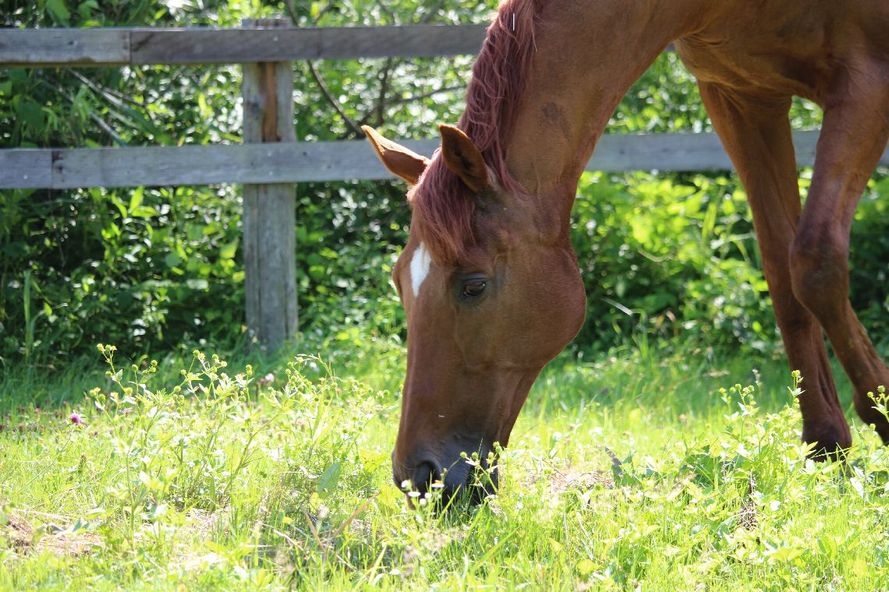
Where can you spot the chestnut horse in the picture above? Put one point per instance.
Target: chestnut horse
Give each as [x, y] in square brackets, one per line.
[489, 280]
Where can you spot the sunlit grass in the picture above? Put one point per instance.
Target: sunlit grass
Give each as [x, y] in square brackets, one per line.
[649, 469]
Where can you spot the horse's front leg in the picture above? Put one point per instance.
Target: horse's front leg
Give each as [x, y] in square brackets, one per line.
[757, 136]
[853, 136]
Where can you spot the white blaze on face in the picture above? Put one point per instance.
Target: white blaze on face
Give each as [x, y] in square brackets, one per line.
[420, 263]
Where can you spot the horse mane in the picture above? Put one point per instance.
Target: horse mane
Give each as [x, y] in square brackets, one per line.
[442, 210]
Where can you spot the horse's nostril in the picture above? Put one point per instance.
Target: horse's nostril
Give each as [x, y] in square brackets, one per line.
[425, 475]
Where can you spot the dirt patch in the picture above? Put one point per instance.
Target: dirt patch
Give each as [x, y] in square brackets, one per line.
[18, 531]
[202, 522]
[580, 481]
[32, 536]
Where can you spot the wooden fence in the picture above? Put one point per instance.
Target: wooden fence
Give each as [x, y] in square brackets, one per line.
[270, 160]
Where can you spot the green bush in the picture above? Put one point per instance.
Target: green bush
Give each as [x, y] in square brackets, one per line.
[148, 268]
[669, 257]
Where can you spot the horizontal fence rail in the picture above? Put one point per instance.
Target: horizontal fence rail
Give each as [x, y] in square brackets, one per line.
[67, 168]
[138, 46]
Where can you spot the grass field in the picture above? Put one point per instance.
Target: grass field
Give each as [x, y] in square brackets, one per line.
[651, 469]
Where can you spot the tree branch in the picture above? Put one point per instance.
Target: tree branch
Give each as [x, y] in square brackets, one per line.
[356, 129]
[104, 125]
[379, 108]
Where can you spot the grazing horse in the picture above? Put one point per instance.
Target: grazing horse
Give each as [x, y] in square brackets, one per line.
[489, 280]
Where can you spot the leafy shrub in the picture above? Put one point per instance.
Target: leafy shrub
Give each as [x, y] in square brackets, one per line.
[151, 268]
[669, 257]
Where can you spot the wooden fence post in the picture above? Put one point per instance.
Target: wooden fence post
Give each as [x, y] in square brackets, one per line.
[269, 217]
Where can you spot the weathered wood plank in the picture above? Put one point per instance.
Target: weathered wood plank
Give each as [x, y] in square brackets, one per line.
[336, 161]
[195, 46]
[115, 47]
[323, 161]
[681, 152]
[68, 168]
[26, 169]
[269, 217]
[166, 165]
[64, 47]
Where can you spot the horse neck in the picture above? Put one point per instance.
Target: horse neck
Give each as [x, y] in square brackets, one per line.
[588, 55]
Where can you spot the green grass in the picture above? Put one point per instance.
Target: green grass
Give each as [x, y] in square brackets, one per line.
[650, 469]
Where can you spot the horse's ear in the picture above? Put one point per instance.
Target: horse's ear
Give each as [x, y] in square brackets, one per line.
[463, 158]
[400, 161]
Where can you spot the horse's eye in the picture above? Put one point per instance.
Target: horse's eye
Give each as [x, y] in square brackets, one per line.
[473, 287]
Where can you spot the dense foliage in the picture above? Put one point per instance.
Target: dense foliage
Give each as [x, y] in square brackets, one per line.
[143, 267]
[160, 268]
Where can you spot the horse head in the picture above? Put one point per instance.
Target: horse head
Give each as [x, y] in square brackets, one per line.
[491, 292]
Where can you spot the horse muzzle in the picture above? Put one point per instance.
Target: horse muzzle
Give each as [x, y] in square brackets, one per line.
[471, 476]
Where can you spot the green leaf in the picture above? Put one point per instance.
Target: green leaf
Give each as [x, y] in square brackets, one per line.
[172, 260]
[121, 207]
[59, 11]
[143, 212]
[585, 567]
[136, 198]
[329, 479]
[228, 250]
[84, 9]
[32, 114]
